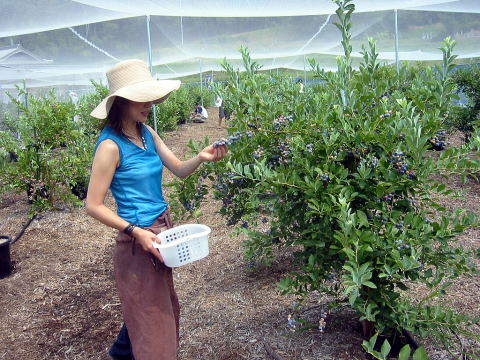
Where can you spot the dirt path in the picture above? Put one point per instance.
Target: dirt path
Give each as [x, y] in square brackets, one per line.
[60, 302]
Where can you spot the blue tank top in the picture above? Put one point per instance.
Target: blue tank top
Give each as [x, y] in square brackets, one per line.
[137, 182]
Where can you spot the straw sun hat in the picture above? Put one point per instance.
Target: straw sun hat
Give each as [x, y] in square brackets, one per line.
[132, 80]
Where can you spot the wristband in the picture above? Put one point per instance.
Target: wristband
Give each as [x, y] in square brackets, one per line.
[129, 229]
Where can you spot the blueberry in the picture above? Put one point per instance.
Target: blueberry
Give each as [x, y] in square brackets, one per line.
[226, 201]
[325, 178]
[388, 197]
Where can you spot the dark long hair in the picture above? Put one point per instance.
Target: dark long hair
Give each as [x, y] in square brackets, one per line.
[114, 118]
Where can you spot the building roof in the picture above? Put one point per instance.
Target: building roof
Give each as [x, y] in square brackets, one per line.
[18, 55]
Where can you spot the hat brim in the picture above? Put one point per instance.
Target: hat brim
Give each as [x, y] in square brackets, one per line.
[154, 90]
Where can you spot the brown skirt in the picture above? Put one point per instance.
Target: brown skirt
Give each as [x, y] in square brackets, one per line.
[149, 303]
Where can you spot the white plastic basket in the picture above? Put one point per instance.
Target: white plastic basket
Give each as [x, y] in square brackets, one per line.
[183, 244]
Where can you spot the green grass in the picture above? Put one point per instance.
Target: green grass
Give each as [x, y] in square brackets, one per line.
[222, 76]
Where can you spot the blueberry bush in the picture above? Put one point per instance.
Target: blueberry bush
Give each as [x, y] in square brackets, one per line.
[49, 152]
[174, 111]
[385, 350]
[346, 175]
[177, 109]
[88, 124]
[466, 118]
[46, 149]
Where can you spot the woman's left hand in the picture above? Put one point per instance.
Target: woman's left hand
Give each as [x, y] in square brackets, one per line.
[211, 153]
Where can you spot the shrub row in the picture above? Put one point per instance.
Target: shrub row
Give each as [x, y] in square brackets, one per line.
[345, 173]
[46, 151]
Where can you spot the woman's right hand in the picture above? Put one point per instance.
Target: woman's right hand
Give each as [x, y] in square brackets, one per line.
[146, 239]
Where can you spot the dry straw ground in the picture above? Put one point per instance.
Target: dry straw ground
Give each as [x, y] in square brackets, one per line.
[60, 301]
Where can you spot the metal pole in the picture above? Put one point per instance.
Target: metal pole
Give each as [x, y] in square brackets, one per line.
[304, 71]
[150, 65]
[181, 21]
[201, 81]
[396, 42]
[25, 95]
[181, 27]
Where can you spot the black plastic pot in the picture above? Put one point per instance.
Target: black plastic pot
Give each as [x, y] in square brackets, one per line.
[79, 190]
[396, 339]
[5, 262]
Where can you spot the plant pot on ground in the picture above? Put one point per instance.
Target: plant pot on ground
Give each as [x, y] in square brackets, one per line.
[396, 339]
[5, 262]
[79, 189]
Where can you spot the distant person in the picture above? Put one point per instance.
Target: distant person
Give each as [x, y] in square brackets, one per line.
[226, 112]
[74, 99]
[221, 110]
[129, 159]
[301, 86]
[199, 114]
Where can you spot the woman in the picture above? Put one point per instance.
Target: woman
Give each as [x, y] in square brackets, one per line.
[221, 111]
[129, 159]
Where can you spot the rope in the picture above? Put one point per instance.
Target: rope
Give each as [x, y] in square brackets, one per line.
[315, 35]
[169, 68]
[93, 45]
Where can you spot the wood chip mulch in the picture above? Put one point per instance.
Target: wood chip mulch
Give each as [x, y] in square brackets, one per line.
[60, 301]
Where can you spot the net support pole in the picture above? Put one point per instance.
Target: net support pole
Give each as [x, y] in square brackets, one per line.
[181, 21]
[25, 95]
[25, 102]
[397, 63]
[181, 27]
[304, 71]
[151, 68]
[201, 80]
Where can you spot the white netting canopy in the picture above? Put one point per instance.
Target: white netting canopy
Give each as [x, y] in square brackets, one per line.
[67, 42]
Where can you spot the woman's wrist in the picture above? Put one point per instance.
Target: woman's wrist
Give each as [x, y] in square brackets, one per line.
[132, 230]
[200, 160]
[129, 229]
[136, 231]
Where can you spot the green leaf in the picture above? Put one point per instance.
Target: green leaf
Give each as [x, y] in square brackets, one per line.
[420, 354]
[370, 284]
[372, 341]
[385, 350]
[362, 218]
[404, 353]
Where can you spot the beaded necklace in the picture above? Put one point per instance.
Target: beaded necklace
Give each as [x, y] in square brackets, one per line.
[144, 143]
